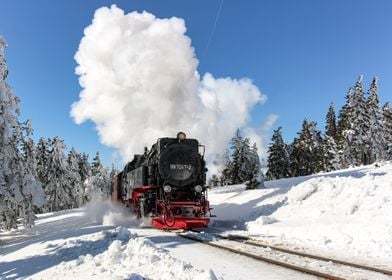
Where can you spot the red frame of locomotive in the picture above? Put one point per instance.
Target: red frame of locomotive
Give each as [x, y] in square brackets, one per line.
[168, 212]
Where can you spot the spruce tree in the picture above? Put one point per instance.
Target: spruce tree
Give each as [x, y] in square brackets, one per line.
[253, 173]
[32, 187]
[214, 181]
[10, 159]
[376, 141]
[246, 158]
[353, 137]
[307, 152]
[224, 178]
[99, 183]
[113, 172]
[332, 157]
[359, 127]
[330, 127]
[19, 191]
[57, 187]
[42, 159]
[29, 149]
[75, 184]
[84, 167]
[344, 123]
[96, 164]
[387, 124]
[242, 166]
[344, 132]
[278, 157]
[237, 159]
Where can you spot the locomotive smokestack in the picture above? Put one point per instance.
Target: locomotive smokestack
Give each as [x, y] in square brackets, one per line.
[181, 136]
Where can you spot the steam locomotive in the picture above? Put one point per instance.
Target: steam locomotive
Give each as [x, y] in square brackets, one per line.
[166, 183]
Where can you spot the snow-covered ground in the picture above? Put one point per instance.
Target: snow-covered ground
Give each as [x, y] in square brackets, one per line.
[103, 242]
[69, 244]
[345, 214]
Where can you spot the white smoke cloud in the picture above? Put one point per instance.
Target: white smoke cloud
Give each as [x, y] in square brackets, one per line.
[140, 82]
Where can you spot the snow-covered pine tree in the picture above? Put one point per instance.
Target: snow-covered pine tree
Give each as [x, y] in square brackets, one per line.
[84, 167]
[84, 172]
[243, 165]
[376, 139]
[332, 158]
[387, 123]
[113, 172]
[359, 126]
[254, 178]
[98, 184]
[10, 159]
[214, 181]
[224, 178]
[32, 187]
[237, 159]
[278, 157]
[96, 165]
[307, 152]
[330, 127]
[75, 182]
[344, 132]
[29, 149]
[316, 147]
[57, 189]
[18, 189]
[244, 173]
[42, 160]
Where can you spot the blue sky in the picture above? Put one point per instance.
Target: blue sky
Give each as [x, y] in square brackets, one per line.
[301, 54]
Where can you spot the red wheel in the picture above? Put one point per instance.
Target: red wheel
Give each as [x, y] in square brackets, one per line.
[168, 217]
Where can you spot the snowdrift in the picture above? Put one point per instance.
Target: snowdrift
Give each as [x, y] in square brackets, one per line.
[69, 245]
[345, 213]
[120, 254]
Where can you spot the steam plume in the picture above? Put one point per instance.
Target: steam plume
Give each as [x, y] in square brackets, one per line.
[140, 82]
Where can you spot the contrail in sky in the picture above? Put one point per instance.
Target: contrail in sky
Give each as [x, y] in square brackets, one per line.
[213, 29]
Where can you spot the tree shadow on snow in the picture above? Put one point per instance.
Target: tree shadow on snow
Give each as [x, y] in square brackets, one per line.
[56, 254]
[253, 209]
[42, 234]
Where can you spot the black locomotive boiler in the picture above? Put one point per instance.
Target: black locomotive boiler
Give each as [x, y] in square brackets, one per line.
[166, 183]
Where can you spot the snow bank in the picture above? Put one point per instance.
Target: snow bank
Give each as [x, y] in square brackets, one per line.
[119, 254]
[345, 212]
[69, 245]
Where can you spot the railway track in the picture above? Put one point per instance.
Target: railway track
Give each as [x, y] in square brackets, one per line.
[323, 267]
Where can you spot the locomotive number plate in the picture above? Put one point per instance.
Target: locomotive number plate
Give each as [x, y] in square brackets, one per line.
[180, 167]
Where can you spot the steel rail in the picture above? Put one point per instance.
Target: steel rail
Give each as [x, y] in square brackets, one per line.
[255, 242]
[258, 243]
[265, 259]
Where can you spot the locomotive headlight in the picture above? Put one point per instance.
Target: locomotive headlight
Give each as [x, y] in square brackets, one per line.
[198, 189]
[167, 188]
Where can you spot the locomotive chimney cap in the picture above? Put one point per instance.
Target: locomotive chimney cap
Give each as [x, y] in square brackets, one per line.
[181, 136]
